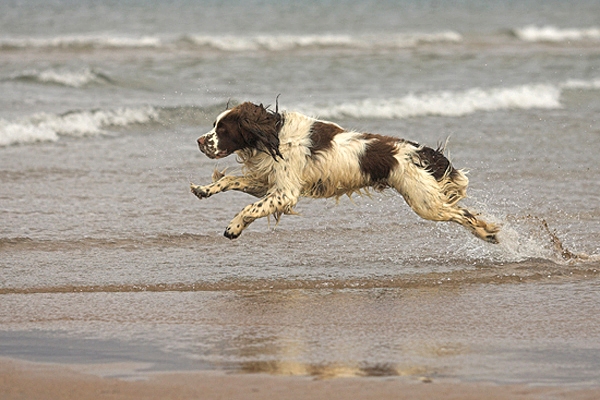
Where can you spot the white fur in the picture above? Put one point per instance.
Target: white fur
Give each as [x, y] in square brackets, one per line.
[210, 140]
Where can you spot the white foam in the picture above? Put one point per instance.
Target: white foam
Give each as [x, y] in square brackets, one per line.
[444, 37]
[272, 43]
[49, 127]
[24, 132]
[290, 42]
[238, 43]
[444, 103]
[81, 41]
[581, 84]
[533, 33]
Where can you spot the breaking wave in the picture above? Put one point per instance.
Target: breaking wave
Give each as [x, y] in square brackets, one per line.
[454, 103]
[445, 103]
[234, 43]
[64, 77]
[80, 42]
[290, 42]
[532, 33]
[581, 84]
[48, 127]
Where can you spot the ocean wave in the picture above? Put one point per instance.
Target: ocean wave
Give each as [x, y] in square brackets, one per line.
[80, 42]
[581, 84]
[49, 127]
[291, 42]
[532, 33]
[234, 43]
[444, 103]
[278, 42]
[64, 77]
[43, 127]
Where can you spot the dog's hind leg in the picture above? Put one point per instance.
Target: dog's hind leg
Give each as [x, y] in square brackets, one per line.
[484, 230]
[434, 195]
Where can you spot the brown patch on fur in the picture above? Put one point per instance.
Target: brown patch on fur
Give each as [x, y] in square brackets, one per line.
[250, 126]
[379, 158]
[434, 162]
[321, 135]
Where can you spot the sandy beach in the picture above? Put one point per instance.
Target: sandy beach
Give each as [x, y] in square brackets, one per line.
[492, 341]
[26, 380]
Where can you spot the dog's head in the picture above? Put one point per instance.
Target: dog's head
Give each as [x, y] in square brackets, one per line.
[247, 126]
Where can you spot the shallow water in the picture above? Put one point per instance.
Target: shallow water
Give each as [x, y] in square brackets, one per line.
[101, 243]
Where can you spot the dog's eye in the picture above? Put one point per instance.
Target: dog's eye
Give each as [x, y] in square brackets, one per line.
[214, 124]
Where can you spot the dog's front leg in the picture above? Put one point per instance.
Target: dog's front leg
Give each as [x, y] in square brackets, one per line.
[229, 182]
[276, 203]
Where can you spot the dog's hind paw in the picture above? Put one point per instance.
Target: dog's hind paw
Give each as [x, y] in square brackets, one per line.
[487, 232]
[492, 238]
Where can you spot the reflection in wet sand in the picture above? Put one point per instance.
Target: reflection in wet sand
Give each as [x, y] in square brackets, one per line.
[541, 331]
[335, 370]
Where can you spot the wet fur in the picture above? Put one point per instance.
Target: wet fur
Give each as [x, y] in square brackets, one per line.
[289, 155]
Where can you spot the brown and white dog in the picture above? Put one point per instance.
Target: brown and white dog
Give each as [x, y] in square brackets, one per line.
[289, 155]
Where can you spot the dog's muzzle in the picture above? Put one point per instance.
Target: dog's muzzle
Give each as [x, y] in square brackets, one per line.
[208, 145]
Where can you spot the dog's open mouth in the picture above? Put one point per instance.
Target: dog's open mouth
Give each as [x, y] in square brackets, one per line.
[211, 152]
[213, 155]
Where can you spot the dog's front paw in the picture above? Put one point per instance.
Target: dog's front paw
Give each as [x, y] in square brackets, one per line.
[232, 233]
[235, 228]
[199, 191]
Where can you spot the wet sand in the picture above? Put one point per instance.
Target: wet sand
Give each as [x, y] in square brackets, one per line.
[25, 380]
[486, 341]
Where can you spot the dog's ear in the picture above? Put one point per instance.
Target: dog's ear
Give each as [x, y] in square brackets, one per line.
[261, 127]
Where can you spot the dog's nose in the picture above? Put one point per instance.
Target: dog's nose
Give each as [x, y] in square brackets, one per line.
[201, 141]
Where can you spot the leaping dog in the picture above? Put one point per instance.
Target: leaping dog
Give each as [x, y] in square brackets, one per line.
[288, 155]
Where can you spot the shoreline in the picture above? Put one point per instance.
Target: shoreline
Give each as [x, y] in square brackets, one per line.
[33, 380]
[530, 334]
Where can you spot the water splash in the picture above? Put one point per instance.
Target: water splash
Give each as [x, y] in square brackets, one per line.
[526, 237]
